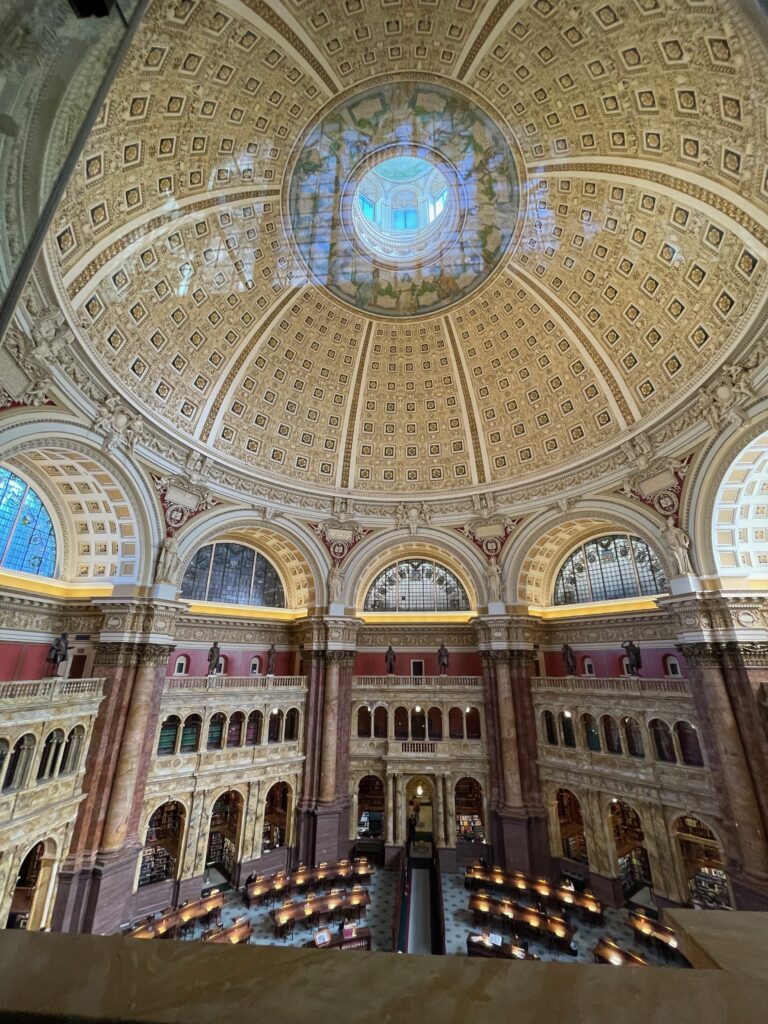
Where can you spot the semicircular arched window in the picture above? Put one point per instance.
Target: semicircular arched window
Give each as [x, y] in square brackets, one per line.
[416, 585]
[609, 568]
[27, 540]
[232, 574]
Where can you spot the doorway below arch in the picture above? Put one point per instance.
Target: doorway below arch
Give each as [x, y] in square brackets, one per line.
[30, 900]
[221, 857]
[703, 863]
[628, 835]
[420, 803]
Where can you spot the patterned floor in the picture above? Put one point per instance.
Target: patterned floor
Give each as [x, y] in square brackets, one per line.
[378, 916]
[459, 922]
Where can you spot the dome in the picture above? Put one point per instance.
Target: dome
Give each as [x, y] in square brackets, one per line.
[431, 254]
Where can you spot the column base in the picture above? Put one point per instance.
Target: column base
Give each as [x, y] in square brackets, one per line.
[112, 890]
[329, 844]
[521, 842]
[749, 894]
[392, 856]
[70, 908]
[607, 889]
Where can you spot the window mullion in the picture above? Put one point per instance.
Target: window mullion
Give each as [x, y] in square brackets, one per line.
[210, 570]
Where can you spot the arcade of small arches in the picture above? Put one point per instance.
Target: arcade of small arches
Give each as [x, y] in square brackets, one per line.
[689, 843]
[676, 744]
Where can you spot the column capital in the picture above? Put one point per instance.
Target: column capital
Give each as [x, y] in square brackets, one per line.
[753, 654]
[129, 652]
[341, 658]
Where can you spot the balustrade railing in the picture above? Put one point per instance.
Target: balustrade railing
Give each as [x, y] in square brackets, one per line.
[417, 747]
[615, 684]
[40, 691]
[408, 682]
[219, 682]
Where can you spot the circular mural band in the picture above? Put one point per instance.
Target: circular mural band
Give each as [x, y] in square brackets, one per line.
[403, 198]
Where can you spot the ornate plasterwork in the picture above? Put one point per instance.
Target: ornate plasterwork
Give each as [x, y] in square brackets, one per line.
[639, 270]
[415, 118]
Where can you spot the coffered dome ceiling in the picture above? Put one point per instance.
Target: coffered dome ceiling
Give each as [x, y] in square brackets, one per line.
[600, 248]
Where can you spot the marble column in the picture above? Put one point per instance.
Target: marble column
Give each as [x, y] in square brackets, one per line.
[353, 816]
[512, 789]
[450, 795]
[331, 837]
[327, 793]
[400, 812]
[390, 811]
[314, 666]
[97, 876]
[729, 721]
[439, 824]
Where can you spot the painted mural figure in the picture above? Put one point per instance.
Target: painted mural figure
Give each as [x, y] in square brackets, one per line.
[442, 658]
[271, 658]
[57, 652]
[389, 657]
[634, 660]
[214, 654]
[569, 659]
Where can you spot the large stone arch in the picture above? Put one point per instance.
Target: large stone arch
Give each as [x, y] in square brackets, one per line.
[109, 520]
[296, 554]
[374, 554]
[540, 548]
[722, 513]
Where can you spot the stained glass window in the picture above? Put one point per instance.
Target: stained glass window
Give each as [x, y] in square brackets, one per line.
[27, 540]
[609, 568]
[416, 585]
[232, 574]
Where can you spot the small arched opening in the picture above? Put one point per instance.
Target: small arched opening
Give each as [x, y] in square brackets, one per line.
[703, 863]
[572, 839]
[370, 807]
[30, 899]
[629, 838]
[162, 844]
[277, 813]
[223, 838]
[470, 815]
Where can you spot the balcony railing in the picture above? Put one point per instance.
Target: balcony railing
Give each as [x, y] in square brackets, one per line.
[425, 682]
[417, 747]
[612, 684]
[46, 691]
[174, 683]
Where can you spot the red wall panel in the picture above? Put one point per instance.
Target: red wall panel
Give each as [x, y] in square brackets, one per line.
[461, 663]
[23, 661]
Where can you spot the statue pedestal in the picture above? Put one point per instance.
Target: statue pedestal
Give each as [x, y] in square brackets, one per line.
[497, 608]
[686, 584]
[336, 608]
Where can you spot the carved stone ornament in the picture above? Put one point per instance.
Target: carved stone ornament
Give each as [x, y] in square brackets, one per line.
[489, 534]
[121, 427]
[180, 501]
[27, 359]
[339, 535]
[412, 517]
[660, 487]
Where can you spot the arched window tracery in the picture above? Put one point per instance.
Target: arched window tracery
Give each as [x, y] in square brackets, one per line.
[416, 584]
[27, 539]
[609, 568]
[232, 574]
